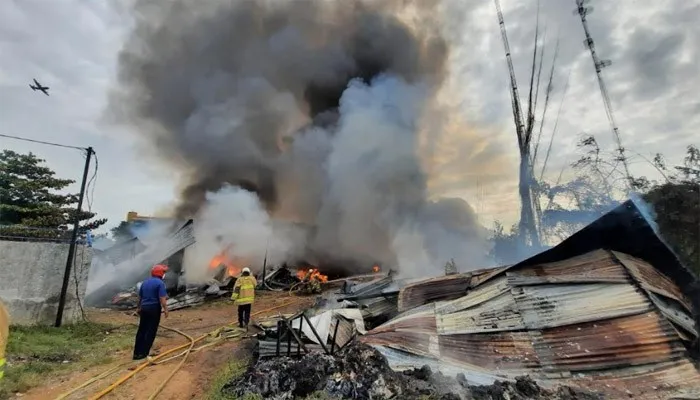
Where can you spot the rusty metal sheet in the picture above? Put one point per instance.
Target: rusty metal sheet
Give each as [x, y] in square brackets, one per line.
[662, 381]
[652, 280]
[481, 276]
[495, 351]
[345, 332]
[547, 306]
[596, 266]
[435, 289]
[420, 343]
[498, 314]
[419, 318]
[478, 295]
[612, 343]
[675, 313]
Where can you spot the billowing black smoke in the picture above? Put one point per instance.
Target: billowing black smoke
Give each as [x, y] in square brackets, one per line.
[318, 107]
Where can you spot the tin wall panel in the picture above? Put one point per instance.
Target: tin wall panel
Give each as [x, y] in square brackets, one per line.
[675, 313]
[498, 314]
[596, 266]
[652, 280]
[602, 345]
[436, 289]
[547, 306]
[476, 296]
[496, 351]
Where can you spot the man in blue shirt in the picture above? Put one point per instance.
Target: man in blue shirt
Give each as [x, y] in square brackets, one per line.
[152, 298]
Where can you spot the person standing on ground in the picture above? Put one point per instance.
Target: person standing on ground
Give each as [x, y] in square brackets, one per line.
[152, 299]
[244, 296]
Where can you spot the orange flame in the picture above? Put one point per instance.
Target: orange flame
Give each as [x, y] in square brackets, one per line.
[233, 268]
[375, 269]
[311, 273]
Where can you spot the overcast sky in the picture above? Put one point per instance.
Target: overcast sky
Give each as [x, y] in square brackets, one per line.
[72, 45]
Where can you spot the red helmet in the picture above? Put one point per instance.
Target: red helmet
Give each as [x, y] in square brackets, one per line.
[159, 270]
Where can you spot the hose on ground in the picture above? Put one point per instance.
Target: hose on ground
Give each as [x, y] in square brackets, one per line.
[139, 368]
[129, 375]
[177, 368]
[92, 380]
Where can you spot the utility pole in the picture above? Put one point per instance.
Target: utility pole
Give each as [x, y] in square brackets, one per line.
[527, 227]
[74, 237]
[582, 10]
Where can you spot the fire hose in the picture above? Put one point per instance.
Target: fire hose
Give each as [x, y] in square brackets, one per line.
[177, 368]
[189, 346]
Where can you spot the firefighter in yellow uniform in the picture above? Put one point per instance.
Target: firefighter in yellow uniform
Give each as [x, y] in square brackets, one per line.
[244, 296]
[4, 334]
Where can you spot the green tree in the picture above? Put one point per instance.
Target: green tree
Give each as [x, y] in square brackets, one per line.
[677, 206]
[30, 202]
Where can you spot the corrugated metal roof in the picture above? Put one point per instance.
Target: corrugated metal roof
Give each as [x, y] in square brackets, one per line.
[379, 306]
[547, 306]
[435, 289]
[420, 318]
[675, 313]
[496, 351]
[600, 320]
[652, 280]
[498, 314]
[481, 276]
[596, 266]
[421, 343]
[656, 381]
[602, 345]
[479, 295]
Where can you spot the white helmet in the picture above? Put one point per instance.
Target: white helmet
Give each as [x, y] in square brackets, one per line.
[246, 269]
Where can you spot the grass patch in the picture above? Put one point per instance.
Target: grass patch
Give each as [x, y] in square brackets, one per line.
[35, 352]
[232, 369]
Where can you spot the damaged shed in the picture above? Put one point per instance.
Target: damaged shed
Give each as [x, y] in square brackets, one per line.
[610, 309]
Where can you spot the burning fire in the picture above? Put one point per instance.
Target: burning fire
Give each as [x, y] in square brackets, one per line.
[375, 269]
[312, 273]
[233, 268]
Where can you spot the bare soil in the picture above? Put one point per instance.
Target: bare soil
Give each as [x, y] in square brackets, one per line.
[195, 376]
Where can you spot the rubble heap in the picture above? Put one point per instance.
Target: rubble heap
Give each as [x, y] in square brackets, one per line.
[361, 372]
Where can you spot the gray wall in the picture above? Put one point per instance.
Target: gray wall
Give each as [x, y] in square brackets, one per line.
[31, 275]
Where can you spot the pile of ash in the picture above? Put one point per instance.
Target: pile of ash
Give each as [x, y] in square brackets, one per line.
[361, 372]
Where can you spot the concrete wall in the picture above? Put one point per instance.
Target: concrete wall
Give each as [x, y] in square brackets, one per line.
[31, 275]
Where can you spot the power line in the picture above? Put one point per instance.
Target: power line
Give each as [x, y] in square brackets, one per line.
[43, 142]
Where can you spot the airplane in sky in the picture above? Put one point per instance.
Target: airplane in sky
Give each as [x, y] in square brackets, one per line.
[38, 86]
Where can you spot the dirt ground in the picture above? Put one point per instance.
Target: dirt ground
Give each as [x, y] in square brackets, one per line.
[195, 376]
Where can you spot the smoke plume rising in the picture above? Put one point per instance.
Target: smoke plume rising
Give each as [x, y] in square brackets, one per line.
[324, 110]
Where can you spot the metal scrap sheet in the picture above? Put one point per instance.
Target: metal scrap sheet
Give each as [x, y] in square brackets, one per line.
[546, 306]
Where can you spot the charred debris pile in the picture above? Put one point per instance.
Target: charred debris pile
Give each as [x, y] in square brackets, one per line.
[281, 279]
[361, 372]
[609, 311]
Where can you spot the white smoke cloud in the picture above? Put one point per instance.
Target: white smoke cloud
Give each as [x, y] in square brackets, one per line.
[234, 217]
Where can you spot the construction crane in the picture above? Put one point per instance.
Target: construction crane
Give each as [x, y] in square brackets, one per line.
[583, 10]
[527, 226]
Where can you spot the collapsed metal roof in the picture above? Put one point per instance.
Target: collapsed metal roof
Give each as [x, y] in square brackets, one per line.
[610, 309]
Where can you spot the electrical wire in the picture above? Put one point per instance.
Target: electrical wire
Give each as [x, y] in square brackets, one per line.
[43, 142]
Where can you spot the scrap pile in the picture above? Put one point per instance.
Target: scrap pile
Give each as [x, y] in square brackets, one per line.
[325, 331]
[609, 310]
[186, 295]
[361, 372]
